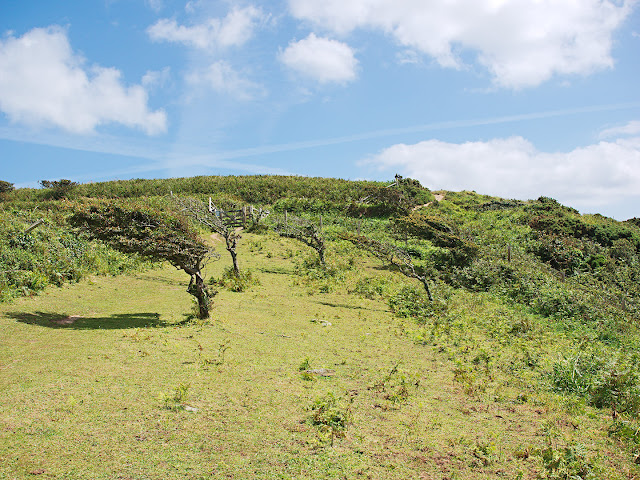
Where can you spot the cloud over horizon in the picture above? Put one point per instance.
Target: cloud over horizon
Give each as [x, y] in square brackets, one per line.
[512, 167]
[44, 83]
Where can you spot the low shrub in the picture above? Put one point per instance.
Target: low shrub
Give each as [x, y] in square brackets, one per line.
[330, 416]
[606, 380]
[371, 287]
[411, 302]
[233, 282]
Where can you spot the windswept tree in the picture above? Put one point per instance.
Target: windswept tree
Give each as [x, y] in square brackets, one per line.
[304, 231]
[393, 255]
[5, 186]
[58, 189]
[153, 234]
[198, 211]
[439, 233]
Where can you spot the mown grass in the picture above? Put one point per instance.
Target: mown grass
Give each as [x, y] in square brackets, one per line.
[96, 378]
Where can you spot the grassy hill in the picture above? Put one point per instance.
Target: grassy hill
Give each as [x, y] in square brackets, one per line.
[525, 365]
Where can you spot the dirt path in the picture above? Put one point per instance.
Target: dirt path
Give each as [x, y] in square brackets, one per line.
[438, 198]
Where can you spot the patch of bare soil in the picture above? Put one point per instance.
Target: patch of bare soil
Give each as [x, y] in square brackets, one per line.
[438, 196]
[71, 319]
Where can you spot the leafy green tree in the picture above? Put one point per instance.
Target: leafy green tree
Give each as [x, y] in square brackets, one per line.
[151, 233]
[438, 232]
[6, 186]
[393, 255]
[58, 188]
[304, 231]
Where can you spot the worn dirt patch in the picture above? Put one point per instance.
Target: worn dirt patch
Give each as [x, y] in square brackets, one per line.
[71, 319]
[438, 196]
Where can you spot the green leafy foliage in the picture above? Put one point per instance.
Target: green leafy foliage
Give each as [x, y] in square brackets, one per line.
[396, 199]
[410, 302]
[6, 187]
[440, 233]
[606, 379]
[176, 399]
[50, 255]
[330, 416]
[235, 282]
[549, 217]
[304, 231]
[58, 189]
[568, 463]
[151, 233]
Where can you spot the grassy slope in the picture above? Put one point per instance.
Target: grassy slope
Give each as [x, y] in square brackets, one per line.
[86, 400]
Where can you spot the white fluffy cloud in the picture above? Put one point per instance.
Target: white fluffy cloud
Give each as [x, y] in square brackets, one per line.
[323, 59]
[43, 82]
[590, 176]
[222, 78]
[522, 43]
[233, 30]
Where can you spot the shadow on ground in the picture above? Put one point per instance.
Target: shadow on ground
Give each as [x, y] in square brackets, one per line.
[116, 321]
[352, 307]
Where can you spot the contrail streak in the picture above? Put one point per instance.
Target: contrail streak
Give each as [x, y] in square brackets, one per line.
[156, 152]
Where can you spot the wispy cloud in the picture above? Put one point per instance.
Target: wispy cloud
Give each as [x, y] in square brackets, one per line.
[155, 153]
[214, 33]
[631, 128]
[150, 149]
[222, 78]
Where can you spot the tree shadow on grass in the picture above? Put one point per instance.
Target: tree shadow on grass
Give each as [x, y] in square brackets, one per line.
[160, 279]
[346, 305]
[77, 322]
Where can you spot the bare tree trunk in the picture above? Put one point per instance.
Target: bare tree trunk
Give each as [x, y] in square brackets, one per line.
[234, 258]
[202, 296]
[427, 289]
[321, 255]
[199, 290]
[232, 242]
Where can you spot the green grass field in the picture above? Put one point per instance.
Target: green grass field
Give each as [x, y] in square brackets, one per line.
[104, 379]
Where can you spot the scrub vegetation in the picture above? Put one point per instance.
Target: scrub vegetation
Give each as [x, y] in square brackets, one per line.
[447, 336]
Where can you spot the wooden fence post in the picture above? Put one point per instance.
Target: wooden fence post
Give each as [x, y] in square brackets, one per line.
[285, 219]
[320, 222]
[244, 216]
[34, 225]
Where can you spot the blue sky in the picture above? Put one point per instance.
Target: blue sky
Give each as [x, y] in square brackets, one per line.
[517, 98]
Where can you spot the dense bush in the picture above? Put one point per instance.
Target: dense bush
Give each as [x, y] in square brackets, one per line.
[440, 233]
[256, 189]
[58, 189]
[551, 218]
[49, 255]
[606, 379]
[233, 282]
[6, 186]
[411, 302]
[396, 199]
